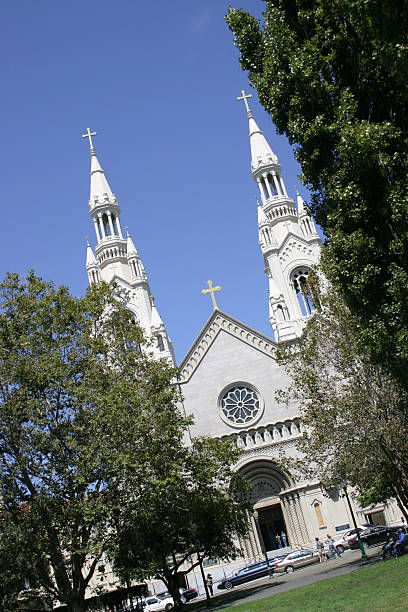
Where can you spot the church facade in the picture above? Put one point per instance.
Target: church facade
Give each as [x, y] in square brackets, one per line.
[230, 376]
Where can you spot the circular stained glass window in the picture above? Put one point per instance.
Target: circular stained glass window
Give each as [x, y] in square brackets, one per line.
[240, 404]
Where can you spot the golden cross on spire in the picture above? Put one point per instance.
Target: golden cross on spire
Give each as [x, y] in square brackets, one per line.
[89, 135]
[244, 98]
[211, 290]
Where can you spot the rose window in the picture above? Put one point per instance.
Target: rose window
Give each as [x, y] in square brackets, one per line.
[240, 404]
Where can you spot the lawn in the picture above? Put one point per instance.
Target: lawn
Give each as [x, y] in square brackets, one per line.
[379, 588]
[382, 587]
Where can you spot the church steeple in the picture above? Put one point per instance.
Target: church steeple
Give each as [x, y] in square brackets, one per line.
[288, 238]
[116, 259]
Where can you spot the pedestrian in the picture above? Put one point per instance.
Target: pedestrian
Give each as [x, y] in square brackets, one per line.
[284, 539]
[209, 583]
[320, 549]
[278, 541]
[399, 542]
[332, 547]
[389, 545]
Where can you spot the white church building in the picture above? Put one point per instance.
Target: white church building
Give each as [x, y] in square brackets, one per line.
[236, 364]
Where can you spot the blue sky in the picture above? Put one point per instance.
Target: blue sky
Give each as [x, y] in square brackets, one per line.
[158, 81]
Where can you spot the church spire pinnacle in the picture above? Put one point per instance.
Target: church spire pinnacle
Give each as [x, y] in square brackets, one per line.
[261, 153]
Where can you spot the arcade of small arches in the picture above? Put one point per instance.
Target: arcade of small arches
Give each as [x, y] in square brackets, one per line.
[281, 211]
[268, 434]
[111, 254]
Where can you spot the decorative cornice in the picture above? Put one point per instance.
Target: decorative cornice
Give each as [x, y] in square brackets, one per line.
[268, 449]
[218, 322]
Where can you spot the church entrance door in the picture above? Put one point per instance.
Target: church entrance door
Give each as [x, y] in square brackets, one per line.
[271, 524]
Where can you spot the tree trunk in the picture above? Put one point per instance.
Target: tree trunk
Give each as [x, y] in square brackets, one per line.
[174, 590]
[76, 605]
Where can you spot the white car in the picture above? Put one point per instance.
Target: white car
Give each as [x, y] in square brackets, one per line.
[155, 604]
[342, 542]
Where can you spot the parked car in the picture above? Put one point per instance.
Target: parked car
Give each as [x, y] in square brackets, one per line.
[154, 604]
[185, 594]
[375, 534]
[342, 541]
[295, 560]
[246, 574]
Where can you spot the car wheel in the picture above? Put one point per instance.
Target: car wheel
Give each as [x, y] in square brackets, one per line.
[228, 585]
[290, 569]
[168, 606]
[340, 549]
[183, 598]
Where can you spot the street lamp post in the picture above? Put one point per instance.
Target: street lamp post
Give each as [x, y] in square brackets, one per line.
[359, 542]
[262, 543]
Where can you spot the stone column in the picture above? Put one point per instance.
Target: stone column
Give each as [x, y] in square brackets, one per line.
[300, 518]
[101, 226]
[98, 236]
[261, 191]
[268, 187]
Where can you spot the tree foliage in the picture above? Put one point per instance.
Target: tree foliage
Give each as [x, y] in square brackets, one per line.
[95, 458]
[195, 507]
[333, 75]
[78, 402]
[352, 409]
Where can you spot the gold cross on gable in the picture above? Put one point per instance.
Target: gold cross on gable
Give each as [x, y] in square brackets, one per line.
[244, 98]
[89, 135]
[211, 290]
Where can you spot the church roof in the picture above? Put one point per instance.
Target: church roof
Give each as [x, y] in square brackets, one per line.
[218, 322]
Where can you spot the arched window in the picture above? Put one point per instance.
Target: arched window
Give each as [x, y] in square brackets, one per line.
[160, 343]
[319, 515]
[302, 289]
[272, 185]
[264, 188]
[106, 225]
[280, 314]
[115, 225]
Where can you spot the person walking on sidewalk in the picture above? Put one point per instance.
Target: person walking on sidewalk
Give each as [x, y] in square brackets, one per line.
[209, 583]
[332, 548]
[320, 549]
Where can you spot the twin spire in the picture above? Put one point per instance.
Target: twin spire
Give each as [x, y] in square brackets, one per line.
[116, 260]
[286, 232]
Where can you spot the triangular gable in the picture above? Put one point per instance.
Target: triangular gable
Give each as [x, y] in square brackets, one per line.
[294, 246]
[218, 322]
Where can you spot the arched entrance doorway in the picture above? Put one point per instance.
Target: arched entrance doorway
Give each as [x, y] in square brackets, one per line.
[267, 482]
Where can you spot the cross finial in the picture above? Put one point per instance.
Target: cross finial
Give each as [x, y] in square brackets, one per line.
[211, 290]
[244, 98]
[89, 135]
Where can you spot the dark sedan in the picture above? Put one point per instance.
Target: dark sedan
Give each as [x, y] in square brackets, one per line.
[375, 534]
[246, 574]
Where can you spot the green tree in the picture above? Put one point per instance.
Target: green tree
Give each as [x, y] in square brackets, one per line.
[333, 75]
[194, 507]
[352, 409]
[80, 406]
